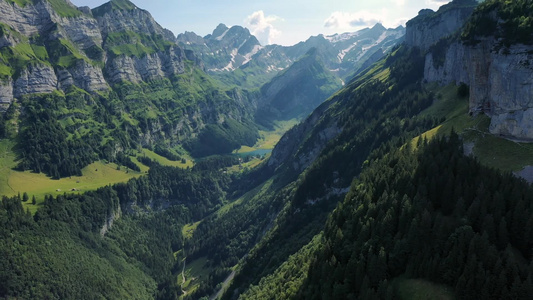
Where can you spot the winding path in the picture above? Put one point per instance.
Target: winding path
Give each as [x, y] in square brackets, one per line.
[183, 275]
[224, 286]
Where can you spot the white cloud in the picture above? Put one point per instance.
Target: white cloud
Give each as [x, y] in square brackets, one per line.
[261, 26]
[399, 2]
[437, 2]
[347, 20]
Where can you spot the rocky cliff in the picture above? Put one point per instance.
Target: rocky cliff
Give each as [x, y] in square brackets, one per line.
[429, 27]
[500, 76]
[44, 48]
[123, 65]
[53, 45]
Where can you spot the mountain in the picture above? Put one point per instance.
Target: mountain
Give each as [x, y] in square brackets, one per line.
[296, 91]
[359, 155]
[119, 74]
[229, 48]
[235, 56]
[392, 188]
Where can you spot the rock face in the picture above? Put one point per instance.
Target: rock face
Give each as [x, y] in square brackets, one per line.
[301, 145]
[35, 79]
[79, 47]
[429, 27]
[500, 79]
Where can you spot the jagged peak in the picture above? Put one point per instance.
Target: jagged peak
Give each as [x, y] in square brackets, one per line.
[221, 28]
[379, 26]
[124, 5]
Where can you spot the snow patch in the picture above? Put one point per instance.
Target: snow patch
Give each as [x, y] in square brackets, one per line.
[273, 68]
[230, 66]
[342, 37]
[249, 55]
[342, 54]
[220, 37]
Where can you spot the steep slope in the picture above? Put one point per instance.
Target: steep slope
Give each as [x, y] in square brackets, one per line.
[103, 82]
[297, 91]
[311, 170]
[494, 55]
[315, 162]
[430, 215]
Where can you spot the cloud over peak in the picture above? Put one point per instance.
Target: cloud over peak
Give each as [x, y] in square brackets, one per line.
[347, 20]
[262, 26]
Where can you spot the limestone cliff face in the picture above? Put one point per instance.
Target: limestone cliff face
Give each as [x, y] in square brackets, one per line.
[111, 20]
[500, 78]
[429, 26]
[501, 83]
[82, 35]
[148, 67]
[39, 18]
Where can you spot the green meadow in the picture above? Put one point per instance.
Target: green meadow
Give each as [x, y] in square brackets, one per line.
[95, 175]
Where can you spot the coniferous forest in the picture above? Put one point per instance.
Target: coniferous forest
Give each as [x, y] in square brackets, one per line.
[409, 182]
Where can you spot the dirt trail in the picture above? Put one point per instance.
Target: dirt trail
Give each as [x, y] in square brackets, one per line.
[183, 276]
[224, 286]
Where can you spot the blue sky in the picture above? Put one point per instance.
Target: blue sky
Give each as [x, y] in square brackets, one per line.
[284, 22]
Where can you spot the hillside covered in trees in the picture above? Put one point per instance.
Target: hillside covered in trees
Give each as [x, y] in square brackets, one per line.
[392, 188]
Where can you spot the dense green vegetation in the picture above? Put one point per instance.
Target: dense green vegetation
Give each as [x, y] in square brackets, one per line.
[135, 259]
[113, 4]
[223, 138]
[135, 44]
[432, 214]
[61, 133]
[510, 22]
[362, 206]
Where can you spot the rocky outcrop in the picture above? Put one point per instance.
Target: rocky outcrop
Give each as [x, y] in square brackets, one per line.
[447, 69]
[113, 216]
[501, 85]
[302, 144]
[39, 18]
[6, 94]
[39, 78]
[86, 76]
[111, 19]
[500, 78]
[145, 68]
[82, 36]
[429, 27]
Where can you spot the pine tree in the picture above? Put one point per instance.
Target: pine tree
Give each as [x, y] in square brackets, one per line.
[25, 197]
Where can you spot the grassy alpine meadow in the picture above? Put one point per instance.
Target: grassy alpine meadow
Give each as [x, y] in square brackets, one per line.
[269, 139]
[95, 175]
[189, 163]
[491, 150]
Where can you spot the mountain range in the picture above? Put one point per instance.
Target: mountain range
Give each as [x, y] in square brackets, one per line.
[141, 165]
[233, 54]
